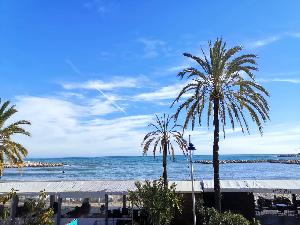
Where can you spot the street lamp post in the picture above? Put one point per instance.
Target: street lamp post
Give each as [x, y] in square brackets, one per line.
[191, 150]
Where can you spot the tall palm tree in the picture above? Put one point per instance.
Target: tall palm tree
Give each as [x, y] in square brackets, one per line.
[224, 87]
[163, 138]
[13, 151]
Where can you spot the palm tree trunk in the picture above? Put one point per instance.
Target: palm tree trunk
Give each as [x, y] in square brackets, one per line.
[217, 188]
[165, 177]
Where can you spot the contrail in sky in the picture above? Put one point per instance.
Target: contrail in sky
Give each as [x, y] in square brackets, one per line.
[76, 70]
[112, 102]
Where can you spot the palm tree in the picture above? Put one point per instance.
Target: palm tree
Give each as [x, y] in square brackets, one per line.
[13, 151]
[163, 138]
[225, 86]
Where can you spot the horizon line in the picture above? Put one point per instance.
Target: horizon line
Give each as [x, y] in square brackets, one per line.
[43, 157]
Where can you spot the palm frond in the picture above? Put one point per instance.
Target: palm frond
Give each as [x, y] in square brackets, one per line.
[164, 133]
[226, 75]
[11, 151]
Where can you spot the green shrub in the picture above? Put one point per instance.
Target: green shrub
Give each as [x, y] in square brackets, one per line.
[157, 202]
[210, 216]
[36, 212]
[4, 211]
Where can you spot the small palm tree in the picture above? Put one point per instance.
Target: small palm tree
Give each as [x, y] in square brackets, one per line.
[225, 88]
[163, 138]
[12, 151]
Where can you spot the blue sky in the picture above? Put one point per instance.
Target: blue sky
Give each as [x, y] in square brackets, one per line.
[90, 74]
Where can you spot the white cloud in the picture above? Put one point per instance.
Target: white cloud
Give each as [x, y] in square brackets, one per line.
[164, 93]
[168, 92]
[276, 139]
[56, 106]
[272, 39]
[154, 47]
[102, 86]
[99, 84]
[263, 42]
[284, 80]
[62, 128]
[295, 34]
[100, 107]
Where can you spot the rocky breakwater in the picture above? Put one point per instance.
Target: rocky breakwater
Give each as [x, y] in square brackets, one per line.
[33, 164]
[289, 155]
[289, 161]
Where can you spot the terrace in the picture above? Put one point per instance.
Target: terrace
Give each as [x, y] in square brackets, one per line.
[105, 202]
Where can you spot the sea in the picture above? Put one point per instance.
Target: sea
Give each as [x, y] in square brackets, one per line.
[148, 167]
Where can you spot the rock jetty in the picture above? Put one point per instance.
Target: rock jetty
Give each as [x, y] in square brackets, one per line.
[290, 161]
[289, 155]
[34, 164]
